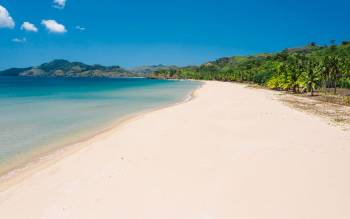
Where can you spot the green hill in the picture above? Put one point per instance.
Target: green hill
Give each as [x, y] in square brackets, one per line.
[149, 69]
[64, 68]
[296, 69]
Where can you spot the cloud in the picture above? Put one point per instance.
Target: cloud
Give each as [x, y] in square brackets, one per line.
[29, 27]
[6, 20]
[19, 40]
[60, 4]
[80, 28]
[54, 27]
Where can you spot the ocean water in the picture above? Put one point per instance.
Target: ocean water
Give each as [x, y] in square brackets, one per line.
[43, 114]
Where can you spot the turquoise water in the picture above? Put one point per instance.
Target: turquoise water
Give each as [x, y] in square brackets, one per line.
[35, 112]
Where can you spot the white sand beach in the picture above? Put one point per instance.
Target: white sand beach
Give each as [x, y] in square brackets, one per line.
[231, 152]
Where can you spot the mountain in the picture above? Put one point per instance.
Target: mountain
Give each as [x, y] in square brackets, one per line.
[13, 71]
[151, 69]
[64, 68]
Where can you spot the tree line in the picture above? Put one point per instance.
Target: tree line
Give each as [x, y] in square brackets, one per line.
[302, 73]
[299, 70]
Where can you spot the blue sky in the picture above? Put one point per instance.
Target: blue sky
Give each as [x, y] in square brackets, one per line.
[182, 32]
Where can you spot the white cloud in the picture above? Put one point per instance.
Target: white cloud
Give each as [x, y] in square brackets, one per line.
[60, 4]
[80, 28]
[29, 27]
[6, 20]
[54, 27]
[19, 40]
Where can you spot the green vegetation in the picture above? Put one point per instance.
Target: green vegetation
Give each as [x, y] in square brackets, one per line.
[297, 70]
[148, 69]
[63, 68]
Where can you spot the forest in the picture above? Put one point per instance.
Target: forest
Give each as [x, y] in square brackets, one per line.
[306, 70]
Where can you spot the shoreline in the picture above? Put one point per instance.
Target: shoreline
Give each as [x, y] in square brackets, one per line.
[230, 152]
[42, 160]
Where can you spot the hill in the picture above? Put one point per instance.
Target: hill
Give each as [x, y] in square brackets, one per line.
[296, 69]
[64, 68]
[151, 69]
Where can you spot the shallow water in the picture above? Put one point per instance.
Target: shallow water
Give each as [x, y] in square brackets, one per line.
[37, 112]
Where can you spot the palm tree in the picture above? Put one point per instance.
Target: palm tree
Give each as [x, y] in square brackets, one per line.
[312, 75]
[294, 69]
[332, 71]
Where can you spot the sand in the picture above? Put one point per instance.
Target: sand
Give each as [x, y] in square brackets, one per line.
[231, 152]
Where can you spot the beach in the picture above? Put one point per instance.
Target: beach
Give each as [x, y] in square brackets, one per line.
[229, 152]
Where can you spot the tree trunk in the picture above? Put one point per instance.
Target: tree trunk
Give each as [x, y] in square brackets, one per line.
[294, 89]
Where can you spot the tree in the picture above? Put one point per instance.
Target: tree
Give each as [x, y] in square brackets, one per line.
[331, 72]
[312, 75]
[313, 44]
[294, 69]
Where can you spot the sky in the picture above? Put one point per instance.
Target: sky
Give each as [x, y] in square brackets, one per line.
[181, 32]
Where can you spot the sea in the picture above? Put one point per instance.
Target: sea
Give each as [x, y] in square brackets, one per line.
[40, 115]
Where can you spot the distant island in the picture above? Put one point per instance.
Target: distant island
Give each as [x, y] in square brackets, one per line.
[149, 69]
[64, 68]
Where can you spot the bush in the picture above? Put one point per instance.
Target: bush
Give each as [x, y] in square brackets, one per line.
[274, 83]
[262, 77]
[345, 83]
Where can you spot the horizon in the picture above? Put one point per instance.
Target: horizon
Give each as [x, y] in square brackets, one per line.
[136, 33]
